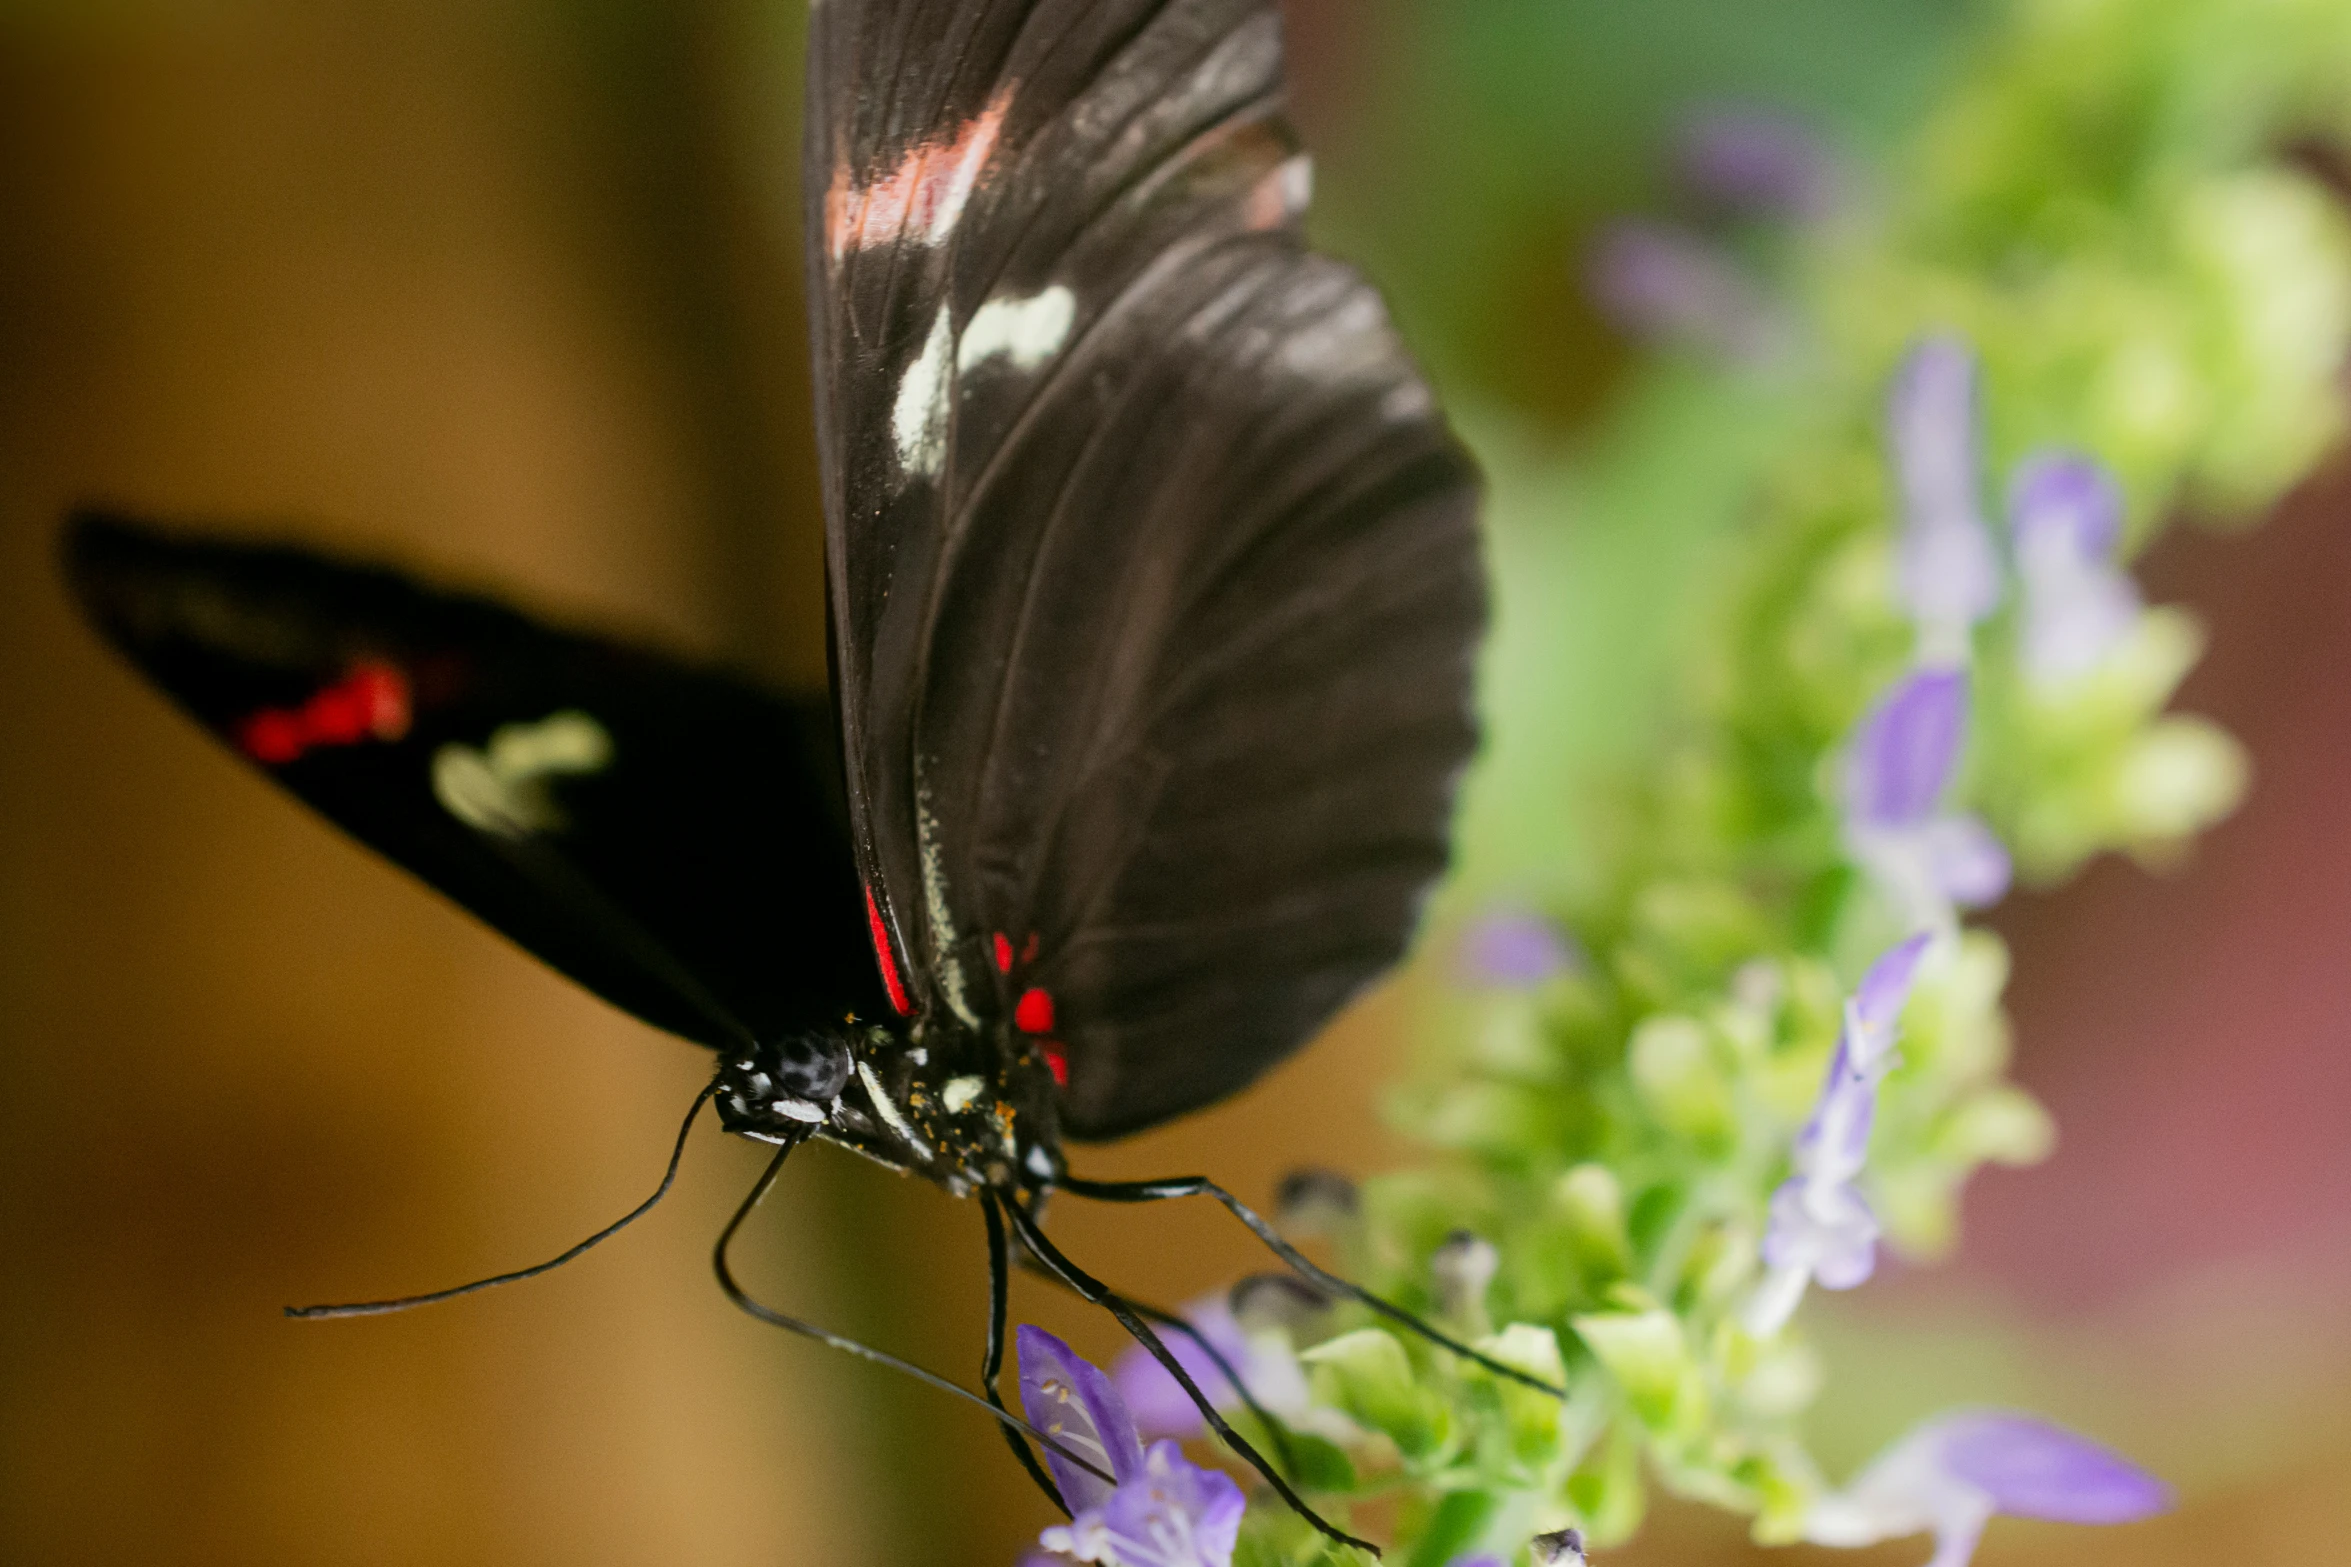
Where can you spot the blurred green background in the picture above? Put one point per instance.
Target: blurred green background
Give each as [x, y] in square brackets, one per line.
[508, 292]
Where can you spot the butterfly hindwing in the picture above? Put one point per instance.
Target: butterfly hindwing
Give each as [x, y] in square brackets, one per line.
[669, 837]
[1155, 571]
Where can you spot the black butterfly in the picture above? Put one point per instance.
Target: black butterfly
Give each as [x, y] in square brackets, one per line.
[1155, 591]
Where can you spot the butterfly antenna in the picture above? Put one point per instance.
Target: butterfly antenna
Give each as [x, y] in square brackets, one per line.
[1275, 1431]
[1200, 1186]
[1097, 1293]
[379, 1308]
[745, 1303]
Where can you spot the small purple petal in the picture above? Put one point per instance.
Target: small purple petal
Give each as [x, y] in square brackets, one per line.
[1969, 863]
[2074, 618]
[1076, 1404]
[1930, 415]
[1948, 571]
[1175, 1513]
[1885, 989]
[2069, 499]
[2066, 515]
[1659, 283]
[1757, 161]
[1160, 1405]
[1512, 950]
[1824, 1228]
[1905, 749]
[1834, 1145]
[2032, 1469]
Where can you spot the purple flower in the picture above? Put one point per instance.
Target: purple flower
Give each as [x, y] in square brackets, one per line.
[1755, 162]
[1822, 1230]
[1510, 949]
[1947, 573]
[1952, 1475]
[1164, 1510]
[1162, 1408]
[1071, 1401]
[1658, 283]
[2065, 519]
[1172, 1514]
[1901, 760]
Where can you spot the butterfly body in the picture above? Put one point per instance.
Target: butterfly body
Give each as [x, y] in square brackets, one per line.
[960, 1108]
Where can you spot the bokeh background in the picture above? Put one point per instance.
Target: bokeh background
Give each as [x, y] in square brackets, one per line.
[508, 291]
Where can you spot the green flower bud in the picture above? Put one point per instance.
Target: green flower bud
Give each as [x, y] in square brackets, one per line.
[1530, 1418]
[1366, 1376]
[1679, 1080]
[1592, 1201]
[2181, 776]
[2002, 1125]
[1646, 1354]
[1607, 1492]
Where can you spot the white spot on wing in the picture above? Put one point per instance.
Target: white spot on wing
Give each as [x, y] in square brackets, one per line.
[959, 1093]
[503, 788]
[1297, 176]
[919, 420]
[1026, 331]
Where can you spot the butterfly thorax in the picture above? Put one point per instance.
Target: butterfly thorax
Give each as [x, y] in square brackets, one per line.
[962, 1107]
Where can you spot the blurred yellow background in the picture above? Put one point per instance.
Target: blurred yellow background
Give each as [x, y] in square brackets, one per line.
[508, 293]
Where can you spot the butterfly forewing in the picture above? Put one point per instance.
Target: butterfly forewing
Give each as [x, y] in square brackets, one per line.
[670, 837]
[1155, 570]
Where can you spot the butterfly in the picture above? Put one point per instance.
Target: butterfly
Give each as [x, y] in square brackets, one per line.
[1154, 589]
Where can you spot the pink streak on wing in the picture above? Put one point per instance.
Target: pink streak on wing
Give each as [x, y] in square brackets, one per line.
[922, 197]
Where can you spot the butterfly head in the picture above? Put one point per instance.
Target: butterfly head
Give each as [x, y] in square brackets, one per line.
[779, 1089]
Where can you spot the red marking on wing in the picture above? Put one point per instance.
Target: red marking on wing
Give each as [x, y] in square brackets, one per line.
[371, 702]
[273, 737]
[1003, 954]
[886, 955]
[1056, 1061]
[1034, 1014]
[1028, 950]
[919, 199]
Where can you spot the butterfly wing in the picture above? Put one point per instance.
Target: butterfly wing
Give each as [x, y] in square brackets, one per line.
[671, 838]
[1154, 567]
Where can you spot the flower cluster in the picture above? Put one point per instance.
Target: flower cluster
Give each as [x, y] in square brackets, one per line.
[1747, 1042]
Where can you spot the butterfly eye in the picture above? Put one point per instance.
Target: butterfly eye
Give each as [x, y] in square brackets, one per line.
[812, 1067]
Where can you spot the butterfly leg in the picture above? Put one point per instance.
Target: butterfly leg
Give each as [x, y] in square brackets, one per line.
[744, 1302]
[992, 1362]
[1200, 1186]
[1097, 1293]
[1275, 1431]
